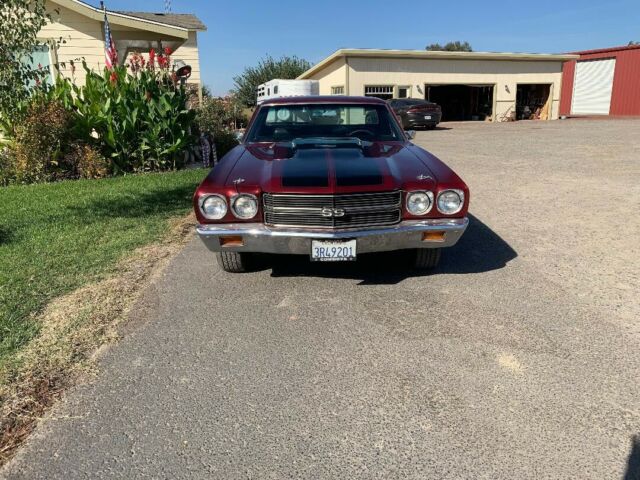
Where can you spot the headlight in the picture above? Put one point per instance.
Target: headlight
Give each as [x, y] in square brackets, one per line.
[245, 206]
[419, 203]
[450, 201]
[213, 207]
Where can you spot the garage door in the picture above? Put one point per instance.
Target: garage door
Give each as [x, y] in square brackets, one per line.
[592, 87]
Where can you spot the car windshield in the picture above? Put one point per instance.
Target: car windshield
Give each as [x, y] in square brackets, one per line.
[285, 123]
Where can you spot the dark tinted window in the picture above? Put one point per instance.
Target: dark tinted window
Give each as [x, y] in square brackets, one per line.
[284, 123]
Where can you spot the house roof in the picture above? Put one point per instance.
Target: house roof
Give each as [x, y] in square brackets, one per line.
[429, 54]
[182, 20]
[175, 25]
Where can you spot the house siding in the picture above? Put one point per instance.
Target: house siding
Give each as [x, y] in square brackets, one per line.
[189, 52]
[333, 75]
[80, 38]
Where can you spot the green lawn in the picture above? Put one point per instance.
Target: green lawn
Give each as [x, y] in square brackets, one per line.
[57, 237]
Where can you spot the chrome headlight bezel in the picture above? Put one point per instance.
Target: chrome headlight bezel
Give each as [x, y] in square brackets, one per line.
[219, 216]
[234, 201]
[428, 194]
[455, 210]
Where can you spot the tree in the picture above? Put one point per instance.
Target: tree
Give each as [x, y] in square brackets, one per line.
[267, 69]
[456, 46]
[20, 22]
[206, 91]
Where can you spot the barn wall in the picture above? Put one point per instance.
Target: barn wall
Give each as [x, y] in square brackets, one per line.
[625, 97]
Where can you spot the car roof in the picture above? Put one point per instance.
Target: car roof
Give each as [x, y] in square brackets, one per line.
[324, 99]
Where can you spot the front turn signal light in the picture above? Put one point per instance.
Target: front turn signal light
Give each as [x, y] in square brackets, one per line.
[433, 236]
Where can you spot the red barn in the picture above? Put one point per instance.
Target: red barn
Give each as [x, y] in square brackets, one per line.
[602, 82]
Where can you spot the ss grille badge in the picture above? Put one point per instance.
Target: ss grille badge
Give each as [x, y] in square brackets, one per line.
[332, 212]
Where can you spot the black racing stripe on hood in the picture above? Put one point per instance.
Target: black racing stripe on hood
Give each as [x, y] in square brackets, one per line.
[306, 169]
[354, 169]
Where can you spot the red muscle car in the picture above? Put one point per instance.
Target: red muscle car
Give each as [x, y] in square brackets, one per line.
[332, 178]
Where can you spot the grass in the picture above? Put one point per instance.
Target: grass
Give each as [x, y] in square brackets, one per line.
[55, 238]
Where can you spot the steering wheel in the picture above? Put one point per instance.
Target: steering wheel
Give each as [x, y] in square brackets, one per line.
[368, 133]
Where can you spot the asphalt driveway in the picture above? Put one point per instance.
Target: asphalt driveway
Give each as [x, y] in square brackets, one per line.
[518, 358]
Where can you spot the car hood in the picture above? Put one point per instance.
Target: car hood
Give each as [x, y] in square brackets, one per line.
[278, 168]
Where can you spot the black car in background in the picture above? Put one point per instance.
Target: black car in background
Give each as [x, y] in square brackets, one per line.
[416, 113]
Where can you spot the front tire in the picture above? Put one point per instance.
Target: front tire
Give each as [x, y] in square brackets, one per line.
[233, 262]
[427, 258]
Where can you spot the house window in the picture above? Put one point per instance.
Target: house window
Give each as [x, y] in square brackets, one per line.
[40, 58]
[337, 90]
[275, 90]
[385, 92]
[404, 92]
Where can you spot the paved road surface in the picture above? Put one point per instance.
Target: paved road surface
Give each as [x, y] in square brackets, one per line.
[519, 358]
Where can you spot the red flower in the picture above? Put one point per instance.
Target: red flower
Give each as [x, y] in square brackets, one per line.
[163, 62]
[113, 78]
[152, 59]
[167, 51]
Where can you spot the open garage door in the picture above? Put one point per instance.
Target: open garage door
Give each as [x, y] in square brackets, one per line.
[592, 87]
[462, 102]
[533, 101]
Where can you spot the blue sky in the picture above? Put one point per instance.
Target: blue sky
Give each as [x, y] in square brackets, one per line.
[243, 31]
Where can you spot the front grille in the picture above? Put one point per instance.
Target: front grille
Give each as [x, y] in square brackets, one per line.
[359, 210]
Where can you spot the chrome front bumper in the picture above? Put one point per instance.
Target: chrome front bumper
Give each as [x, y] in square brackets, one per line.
[257, 237]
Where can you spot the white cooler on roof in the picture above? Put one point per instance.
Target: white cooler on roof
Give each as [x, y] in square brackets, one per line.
[287, 88]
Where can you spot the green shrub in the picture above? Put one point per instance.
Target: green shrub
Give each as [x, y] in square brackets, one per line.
[216, 115]
[39, 141]
[139, 122]
[225, 141]
[7, 166]
[120, 121]
[86, 162]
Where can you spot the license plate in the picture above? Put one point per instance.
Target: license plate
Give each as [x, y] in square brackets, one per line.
[332, 251]
[427, 117]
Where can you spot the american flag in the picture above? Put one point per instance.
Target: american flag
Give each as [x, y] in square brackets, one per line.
[110, 52]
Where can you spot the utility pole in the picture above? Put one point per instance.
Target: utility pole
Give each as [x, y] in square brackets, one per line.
[167, 6]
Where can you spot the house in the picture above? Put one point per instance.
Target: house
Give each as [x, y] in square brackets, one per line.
[76, 33]
[468, 85]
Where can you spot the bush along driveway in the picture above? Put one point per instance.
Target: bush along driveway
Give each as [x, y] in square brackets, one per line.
[68, 237]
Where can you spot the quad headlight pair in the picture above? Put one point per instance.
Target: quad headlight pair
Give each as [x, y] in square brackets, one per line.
[449, 202]
[243, 206]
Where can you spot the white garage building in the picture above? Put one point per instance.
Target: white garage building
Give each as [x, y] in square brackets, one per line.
[468, 85]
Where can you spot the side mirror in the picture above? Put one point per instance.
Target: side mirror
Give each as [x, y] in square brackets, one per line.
[411, 134]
